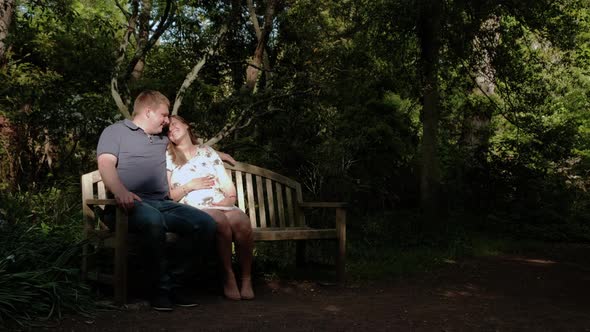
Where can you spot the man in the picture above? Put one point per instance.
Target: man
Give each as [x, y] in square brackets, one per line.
[131, 158]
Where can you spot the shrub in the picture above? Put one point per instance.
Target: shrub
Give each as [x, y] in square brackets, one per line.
[40, 245]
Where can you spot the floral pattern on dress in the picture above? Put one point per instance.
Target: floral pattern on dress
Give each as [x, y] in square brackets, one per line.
[205, 162]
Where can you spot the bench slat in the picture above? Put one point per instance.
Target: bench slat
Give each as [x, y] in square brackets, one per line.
[240, 189]
[270, 234]
[103, 201]
[271, 203]
[323, 204]
[281, 206]
[251, 202]
[290, 213]
[87, 192]
[246, 168]
[102, 193]
[298, 212]
[261, 203]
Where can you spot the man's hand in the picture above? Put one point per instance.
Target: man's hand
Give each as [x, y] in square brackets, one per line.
[125, 200]
[107, 167]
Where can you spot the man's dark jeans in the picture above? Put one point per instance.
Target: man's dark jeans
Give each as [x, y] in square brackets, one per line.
[152, 219]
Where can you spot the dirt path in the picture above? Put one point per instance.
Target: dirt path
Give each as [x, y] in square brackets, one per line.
[507, 293]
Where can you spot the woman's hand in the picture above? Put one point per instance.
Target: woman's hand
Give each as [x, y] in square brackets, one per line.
[227, 201]
[205, 182]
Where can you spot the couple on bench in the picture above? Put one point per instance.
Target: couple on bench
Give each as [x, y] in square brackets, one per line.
[170, 183]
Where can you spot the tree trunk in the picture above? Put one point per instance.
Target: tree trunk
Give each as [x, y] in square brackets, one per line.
[192, 75]
[262, 35]
[476, 122]
[234, 34]
[429, 29]
[6, 12]
[121, 94]
[472, 164]
[121, 77]
[7, 141]
[143, 37]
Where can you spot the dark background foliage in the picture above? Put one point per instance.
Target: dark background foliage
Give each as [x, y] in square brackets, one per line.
[339, 107]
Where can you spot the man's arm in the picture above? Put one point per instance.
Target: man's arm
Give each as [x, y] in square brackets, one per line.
[226, 157]
[107, 166]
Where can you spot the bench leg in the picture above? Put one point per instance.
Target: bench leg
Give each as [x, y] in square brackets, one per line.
[120, 278]
[85, 261]
[300, 253]
[341, 254]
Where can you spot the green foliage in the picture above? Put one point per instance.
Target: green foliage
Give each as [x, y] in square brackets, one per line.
[41, 293]
[52, 206]
[40, 242]
[340, 111]
[55, 99]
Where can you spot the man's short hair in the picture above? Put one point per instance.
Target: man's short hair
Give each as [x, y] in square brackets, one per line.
[149, 99]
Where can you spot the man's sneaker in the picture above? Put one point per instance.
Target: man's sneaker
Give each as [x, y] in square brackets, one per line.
[182, 300]
[161, 302]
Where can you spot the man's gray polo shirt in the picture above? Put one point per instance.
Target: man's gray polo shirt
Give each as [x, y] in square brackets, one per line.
[141, 158]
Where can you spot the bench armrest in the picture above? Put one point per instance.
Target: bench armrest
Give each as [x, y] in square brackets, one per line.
[92, 201]
[340, 230]
[323, 204]
[121, 221]
[340, 214]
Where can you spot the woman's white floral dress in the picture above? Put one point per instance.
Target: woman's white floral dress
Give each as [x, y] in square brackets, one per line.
[205, 162]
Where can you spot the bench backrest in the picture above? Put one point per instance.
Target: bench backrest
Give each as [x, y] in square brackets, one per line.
[92, 188]
[269, 199]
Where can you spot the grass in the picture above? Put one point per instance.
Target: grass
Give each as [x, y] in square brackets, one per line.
[39, 264]
[393, 263]
[395, 244]
[40, 253]
[388, 263]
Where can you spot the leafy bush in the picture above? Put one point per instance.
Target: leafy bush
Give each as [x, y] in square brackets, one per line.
[40, 245]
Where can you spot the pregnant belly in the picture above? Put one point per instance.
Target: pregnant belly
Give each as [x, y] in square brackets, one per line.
[202, 198]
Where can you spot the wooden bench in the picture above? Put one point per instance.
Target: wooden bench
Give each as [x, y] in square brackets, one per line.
[272, 201]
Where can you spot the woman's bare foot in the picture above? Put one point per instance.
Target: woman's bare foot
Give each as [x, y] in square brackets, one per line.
[230, 287]
[247, 293]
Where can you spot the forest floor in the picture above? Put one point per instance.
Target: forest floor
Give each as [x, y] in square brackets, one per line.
[530, 292]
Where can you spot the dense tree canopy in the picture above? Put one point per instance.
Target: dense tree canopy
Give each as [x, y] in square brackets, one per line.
[457, 105]
[438, 121]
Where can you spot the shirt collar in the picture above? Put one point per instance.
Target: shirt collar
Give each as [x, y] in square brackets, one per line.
[130, 124]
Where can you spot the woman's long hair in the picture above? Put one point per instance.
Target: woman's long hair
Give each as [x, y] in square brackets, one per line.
[177, 156]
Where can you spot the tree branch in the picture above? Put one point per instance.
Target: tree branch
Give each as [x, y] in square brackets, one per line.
[123, 10]
[230, 127]
[123, 105]
[257, 67]
[262, 37]
[164, 23]
[192, 75]
[254, 19]
[6, 12]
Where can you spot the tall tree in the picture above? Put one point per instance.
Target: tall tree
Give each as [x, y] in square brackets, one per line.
[257, 63]
[475, 131]
[262, 35]
[6, 12]
[429, 29]
[142, 36]
[122, 75]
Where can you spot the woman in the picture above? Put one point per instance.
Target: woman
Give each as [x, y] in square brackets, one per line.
[197, 177]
